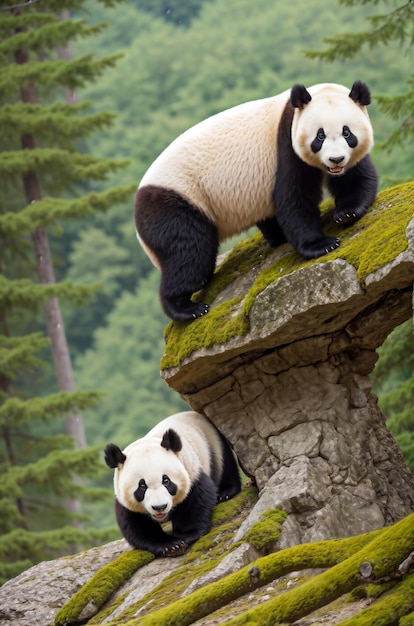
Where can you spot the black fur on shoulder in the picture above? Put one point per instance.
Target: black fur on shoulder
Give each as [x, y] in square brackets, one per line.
[185, 243]
[299, 96]
[114, 456]
[360, 93]
[172, 441]
[297, 194]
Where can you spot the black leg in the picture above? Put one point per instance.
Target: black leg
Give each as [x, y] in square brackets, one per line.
[185, 243]
[272, 231]
[230, 484]
[354, 192]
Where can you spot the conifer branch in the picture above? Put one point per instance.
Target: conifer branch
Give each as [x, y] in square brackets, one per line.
[21, 5]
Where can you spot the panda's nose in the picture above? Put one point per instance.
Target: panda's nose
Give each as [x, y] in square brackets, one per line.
[159, 507]
[336, 160]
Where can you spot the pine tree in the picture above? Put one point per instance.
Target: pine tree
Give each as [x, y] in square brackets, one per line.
[395, 25]
[42, 174]
[393, 381]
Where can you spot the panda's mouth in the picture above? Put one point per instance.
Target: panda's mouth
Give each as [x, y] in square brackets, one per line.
[335, 170]
[160, 517]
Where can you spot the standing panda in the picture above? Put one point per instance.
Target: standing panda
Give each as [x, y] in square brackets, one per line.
[264, 162]
[178, 472]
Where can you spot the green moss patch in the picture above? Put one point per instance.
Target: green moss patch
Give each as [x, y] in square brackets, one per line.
[392, 606]
[369, 244]
[204, 601]
[385, 553]
[202, 557]
[341, 581]
[264, 533]
[102, 585]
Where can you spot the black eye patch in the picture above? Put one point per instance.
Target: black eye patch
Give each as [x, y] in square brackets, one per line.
[169, 485]
[349, 137]
[139, 493]
[317, 143]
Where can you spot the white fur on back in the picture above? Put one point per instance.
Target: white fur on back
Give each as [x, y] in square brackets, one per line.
[226, 164]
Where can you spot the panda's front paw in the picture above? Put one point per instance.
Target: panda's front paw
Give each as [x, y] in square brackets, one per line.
[348, 216]
[200, 310]
[176, 549]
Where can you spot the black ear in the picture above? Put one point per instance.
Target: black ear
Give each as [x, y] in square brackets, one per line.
[299, 96]
[114, 456]
[360, 93]
[171, 441]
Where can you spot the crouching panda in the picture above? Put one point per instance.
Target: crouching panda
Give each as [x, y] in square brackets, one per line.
[264, 162]
[178, 471]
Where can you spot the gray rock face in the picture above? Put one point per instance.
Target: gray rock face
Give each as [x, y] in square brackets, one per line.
[34, 597]
[294, 398]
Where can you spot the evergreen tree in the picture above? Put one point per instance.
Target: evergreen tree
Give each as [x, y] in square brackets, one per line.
[179, 12]
[394, 25]
[42, 170]
[393, 381]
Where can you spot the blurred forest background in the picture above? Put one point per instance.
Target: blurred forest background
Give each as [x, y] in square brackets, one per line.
[167, 66]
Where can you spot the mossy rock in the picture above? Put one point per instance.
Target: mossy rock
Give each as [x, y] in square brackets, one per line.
[245, 595]
[368, 245]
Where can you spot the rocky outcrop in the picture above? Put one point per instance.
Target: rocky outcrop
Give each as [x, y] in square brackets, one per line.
[281, 366]
[219, 580]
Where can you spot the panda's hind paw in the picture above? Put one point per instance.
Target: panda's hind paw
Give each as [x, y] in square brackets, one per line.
[222, 498]
[318, 247]
[182, 309]
[201, 310]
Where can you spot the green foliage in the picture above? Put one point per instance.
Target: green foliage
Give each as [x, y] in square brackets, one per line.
[179, 12]
[393, 382]
[42, 474]
[394, 26]
[137, 397]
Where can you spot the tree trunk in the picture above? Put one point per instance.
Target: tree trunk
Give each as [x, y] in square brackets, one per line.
[53, 317]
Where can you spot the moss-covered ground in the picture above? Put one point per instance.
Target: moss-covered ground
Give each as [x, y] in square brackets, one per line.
[260, 593]
[368, 244]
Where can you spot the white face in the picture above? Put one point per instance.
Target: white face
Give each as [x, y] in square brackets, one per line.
[152, 480]
[332, 132]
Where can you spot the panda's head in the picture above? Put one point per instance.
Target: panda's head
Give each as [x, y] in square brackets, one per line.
[331, 129]
[149, 476]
